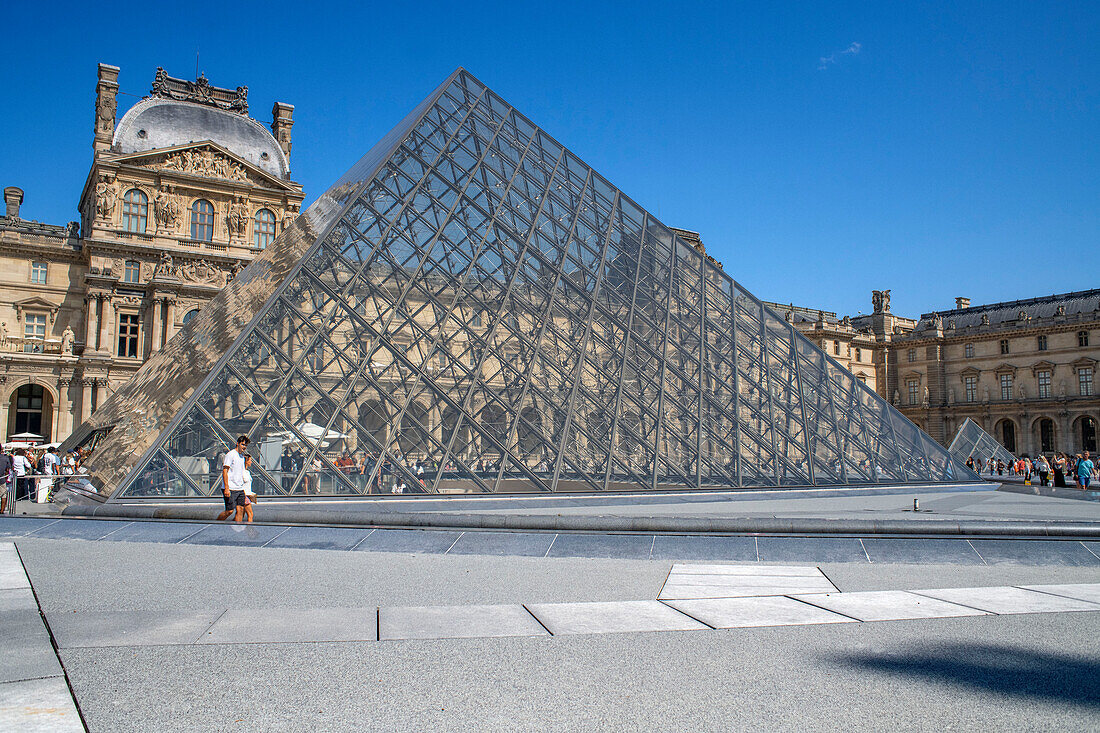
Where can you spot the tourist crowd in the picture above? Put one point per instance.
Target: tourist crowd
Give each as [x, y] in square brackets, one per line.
[1080, 469]
[31, 473]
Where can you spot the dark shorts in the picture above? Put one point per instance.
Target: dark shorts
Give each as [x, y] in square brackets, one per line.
[1084, 481]
[235, 499]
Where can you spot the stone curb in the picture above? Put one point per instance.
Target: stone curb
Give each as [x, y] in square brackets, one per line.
[589, 523]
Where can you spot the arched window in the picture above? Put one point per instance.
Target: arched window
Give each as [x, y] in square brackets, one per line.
[202, 221]
[263, 229]
[135, 211]
[190, 314]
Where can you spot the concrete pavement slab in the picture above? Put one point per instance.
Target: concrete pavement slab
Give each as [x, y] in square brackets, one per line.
[290, 625]
[621, 546]
[730, 613]
[811, 549]
[530, 544]
[1081, 591]
[12, 574]
[1007, 600]
[166, 532]
[38, 706]
[237, 534]
[887, 605]
[19, 526]
[416, 541]
[611, 617]
[920, 551]
[758, 587]
[320, 538]
[794, 571]
[717, 549]
[27, 652]
[1035, 552]
[456, 622]
[129, 628]
[78, 529]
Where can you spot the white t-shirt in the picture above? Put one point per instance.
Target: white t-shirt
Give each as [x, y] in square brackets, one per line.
[51, 462]
[248, 483]
[22, 466]
[234, 461]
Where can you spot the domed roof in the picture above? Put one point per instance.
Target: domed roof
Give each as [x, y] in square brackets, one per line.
[155, 123]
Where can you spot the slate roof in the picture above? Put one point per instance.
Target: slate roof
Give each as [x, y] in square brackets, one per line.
[1008, 312]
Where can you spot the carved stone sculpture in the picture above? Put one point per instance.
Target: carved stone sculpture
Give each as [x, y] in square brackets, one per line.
[205, 163]
[67, 339]
[166, 208]
[897, 397]
[201, 272]
[164, 267]
[880, 301]
[106, 197]
[237, 221]
[3, 334]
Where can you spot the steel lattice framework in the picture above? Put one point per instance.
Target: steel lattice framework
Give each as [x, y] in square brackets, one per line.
[973, 442]
[471, 297]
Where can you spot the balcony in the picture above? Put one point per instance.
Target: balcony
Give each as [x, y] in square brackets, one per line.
[46, 347]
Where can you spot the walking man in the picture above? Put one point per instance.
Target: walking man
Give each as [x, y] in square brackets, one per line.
[1084, 472]
[233, 481]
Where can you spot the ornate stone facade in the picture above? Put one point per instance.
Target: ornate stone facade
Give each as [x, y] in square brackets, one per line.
[163, 226]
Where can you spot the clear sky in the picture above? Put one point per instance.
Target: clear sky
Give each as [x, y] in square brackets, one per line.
[821, 149]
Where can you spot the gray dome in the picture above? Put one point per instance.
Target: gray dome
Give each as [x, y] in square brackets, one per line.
[153, 123]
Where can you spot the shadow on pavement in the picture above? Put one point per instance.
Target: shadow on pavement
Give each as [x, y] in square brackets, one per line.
[999, 669]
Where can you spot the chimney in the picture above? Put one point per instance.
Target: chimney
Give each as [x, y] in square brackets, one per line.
[282, 115]
[13, 196]
[962, 303]
[106, 105]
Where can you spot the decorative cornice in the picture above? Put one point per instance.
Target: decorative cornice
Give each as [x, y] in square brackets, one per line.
[199, 91]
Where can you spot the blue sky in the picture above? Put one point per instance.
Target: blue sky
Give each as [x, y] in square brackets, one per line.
[822, 149]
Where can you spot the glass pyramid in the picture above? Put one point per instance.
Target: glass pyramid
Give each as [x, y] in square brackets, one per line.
[973, 442]
[473, 309]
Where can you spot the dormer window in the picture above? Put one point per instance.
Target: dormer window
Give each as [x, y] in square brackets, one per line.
[263, 229]
[202, 221]
[135, 211]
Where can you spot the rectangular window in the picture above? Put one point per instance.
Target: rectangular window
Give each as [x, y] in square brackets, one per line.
[971, 384]
[912, 354]
[1004, 346]
[914, 390]
[1042, 343]
[1006, 386]
[34, 331]
[1044, 383]
[1084, 381]
[836, 348]
[38, 273]
[132, 272]
[128, 328]
[969, 351]
[859, 354]
[1082, 338]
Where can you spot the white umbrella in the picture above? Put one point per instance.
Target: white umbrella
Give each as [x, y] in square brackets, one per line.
[27, 437]
[317, 433]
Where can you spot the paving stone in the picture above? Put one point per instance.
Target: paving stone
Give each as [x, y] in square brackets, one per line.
[456, 622]
[320, 538]
[611, 617]
[668, 547]
[754, 569]
[811, 549]
[530, 544]
[731, 613]
[1006, 600]
[19, 526]
[12, 574]
[78, 529]
[418, 541]
[920, 551]
[163, 532]
[38, 706]
[290, 625]
[27, 651]
[129, 628]
[620, 546]
[888, 605]
[1035, 552]
[699, 587]
[1081, 591]
[237, 534]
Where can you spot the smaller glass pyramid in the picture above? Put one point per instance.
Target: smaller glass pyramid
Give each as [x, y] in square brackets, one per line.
[473, 309]
[973, 442]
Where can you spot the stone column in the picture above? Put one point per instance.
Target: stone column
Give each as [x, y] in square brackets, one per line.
[169, 319]
[86, 398]
[157, 338]
[106, 321]
[90, 330]
[63, 425]
[1066, 441]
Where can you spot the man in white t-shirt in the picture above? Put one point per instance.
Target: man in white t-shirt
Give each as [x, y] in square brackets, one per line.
[233, 481]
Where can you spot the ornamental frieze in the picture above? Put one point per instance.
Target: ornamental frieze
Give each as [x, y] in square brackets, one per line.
[206, 163]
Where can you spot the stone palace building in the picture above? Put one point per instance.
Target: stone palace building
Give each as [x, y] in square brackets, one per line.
[182, 192]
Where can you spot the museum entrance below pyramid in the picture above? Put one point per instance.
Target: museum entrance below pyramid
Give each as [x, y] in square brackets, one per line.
[473, 309]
